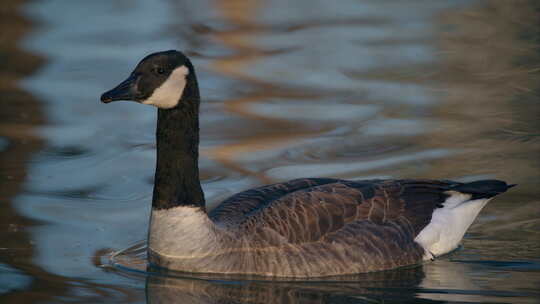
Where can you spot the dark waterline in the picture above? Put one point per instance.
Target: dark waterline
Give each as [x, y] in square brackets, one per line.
[366, 89]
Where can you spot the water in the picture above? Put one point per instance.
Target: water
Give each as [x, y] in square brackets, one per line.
[434, 89]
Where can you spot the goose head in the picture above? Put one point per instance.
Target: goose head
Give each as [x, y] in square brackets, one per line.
[160, 79]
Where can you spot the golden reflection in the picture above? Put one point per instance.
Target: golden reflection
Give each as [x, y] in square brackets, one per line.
[241, 15]
[484, 79]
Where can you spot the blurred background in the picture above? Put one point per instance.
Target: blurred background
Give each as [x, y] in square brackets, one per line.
[357, 89]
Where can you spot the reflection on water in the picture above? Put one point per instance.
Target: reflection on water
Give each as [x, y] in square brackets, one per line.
[367, 288]
[448, 279]
[414, 285]
[359, 89]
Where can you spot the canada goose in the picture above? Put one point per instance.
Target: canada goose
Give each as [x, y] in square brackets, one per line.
[308, 227]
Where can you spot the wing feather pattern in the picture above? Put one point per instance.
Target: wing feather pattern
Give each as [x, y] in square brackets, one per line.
[331, 226]
[305, 210]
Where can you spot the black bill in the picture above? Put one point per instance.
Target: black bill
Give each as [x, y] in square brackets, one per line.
[127, 90]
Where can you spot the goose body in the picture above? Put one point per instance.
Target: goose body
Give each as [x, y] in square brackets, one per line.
[302, 228]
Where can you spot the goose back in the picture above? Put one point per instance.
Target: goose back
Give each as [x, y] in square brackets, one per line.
[304, 210]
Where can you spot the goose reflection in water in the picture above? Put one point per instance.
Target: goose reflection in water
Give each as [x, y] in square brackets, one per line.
[437, 282]
[398, 286]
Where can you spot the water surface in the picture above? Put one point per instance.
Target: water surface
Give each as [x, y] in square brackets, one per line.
[359, 89]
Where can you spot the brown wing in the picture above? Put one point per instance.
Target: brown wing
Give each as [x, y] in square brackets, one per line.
[313, 209]
[326, 227]
[237, 209]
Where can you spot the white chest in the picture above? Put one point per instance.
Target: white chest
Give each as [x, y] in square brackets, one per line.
[181, 232]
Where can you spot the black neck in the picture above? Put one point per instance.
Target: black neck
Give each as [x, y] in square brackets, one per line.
[177, 170]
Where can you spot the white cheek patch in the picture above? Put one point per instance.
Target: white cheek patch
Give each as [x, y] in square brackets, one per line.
[168, 94]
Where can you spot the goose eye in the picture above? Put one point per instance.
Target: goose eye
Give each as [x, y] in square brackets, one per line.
[160, 70]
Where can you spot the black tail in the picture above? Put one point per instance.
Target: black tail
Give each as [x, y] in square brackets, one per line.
[483, 188]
